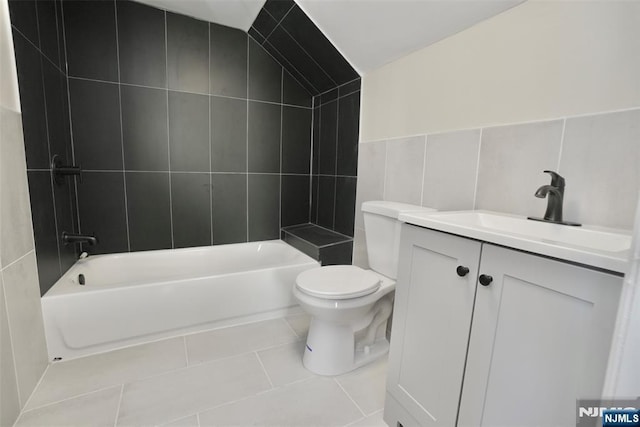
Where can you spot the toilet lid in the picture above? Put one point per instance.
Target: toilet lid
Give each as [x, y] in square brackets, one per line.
[338, 282]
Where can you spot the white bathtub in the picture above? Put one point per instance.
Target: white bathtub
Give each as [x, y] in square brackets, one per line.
[138, 297]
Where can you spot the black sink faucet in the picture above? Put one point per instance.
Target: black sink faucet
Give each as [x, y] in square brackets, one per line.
[68, 238]
[554, 193]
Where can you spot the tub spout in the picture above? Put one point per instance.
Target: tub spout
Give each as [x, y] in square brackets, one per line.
[68, 238]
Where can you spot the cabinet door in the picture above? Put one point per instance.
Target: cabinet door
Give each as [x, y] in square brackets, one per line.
[431, 323]
[540, 340]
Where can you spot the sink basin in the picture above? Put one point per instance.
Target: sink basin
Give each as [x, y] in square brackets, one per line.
[595, 246]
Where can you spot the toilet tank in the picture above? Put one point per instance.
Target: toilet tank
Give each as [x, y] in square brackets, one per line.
[382, 231]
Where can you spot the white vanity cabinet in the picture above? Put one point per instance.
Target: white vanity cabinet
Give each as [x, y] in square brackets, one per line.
[518, 351]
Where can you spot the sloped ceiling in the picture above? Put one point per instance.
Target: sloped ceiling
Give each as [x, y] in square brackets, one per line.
[371, 33]
[368, 33]
[232, 13]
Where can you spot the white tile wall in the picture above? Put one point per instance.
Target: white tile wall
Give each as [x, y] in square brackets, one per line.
[499, 168]
[601, 163]
[404, 168]
[23, 354]
[450, 184]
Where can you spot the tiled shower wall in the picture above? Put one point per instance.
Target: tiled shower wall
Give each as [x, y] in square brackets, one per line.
[41, 64]
[336, 117]
[500, 168]
[189, 132]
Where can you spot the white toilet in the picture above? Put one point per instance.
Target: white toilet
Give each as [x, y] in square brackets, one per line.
[349, 306]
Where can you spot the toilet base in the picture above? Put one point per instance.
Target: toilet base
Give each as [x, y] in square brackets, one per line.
[330, 349]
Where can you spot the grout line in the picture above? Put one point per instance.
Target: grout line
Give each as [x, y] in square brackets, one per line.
[37, 48]
[290, 65]
[564, 126]
[384, 176]
[198, 418]
[339, 86]
[424, 169]
[209, 101]
[551, 119]
[124, 175]
[195, 172]
[311, 158]
[475, 188]
[186, 351]
[281, 148]
[264, 369]
[166, 63]
[36, 387]
[4, 267]
[291, 327]
[246, 142]
[349, 396]
[115, 422]
[46, 405]
[335, 166]
[277, 22]
[13, 352]
[337, 98]
[319, 158]
[190, 92]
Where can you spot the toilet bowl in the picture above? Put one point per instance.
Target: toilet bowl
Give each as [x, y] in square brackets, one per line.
[349, 306]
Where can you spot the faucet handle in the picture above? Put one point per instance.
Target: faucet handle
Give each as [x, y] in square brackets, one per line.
[556, 180]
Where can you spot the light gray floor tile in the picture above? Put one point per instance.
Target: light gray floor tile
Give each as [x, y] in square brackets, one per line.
[190, 421]
[74, 377]
[187, 391]
[314, 402]
[236, 340]
[98, 408]
[366, 385]
[374, 420]
[300, 324]
[284, 364]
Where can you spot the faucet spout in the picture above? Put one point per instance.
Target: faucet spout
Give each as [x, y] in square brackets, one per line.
[68, 238]
[554, 193]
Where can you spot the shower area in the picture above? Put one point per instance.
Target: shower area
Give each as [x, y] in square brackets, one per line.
[152, 130]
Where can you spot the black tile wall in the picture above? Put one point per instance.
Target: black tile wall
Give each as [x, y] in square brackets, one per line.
[228, 60]
[292, 38]
[48, 29]
[295, 199]
[264, 137]
[24, 17]
[40, 59]
[103, 213]
[141, 40]
[229, 202]
[336, 117]
[264, 207]
[191, 209]
[189, 131]
[228, 134]
[95, 120]
[149, 210]
[187, 53]
[44, 228]
[144, 129]
[91, 39]
[265, 75]
[296, 131]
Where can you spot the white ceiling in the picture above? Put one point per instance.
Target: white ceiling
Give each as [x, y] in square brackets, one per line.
[369, 33]
[232, 13]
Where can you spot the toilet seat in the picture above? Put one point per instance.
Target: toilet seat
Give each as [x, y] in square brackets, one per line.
[338, 282]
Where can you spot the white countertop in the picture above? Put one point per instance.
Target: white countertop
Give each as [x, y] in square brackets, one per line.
[594, 246]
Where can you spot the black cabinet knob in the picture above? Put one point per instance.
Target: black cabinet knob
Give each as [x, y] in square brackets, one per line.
[485, 279]
[462, 271]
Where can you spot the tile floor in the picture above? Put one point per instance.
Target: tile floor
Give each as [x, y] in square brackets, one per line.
[244, 375]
